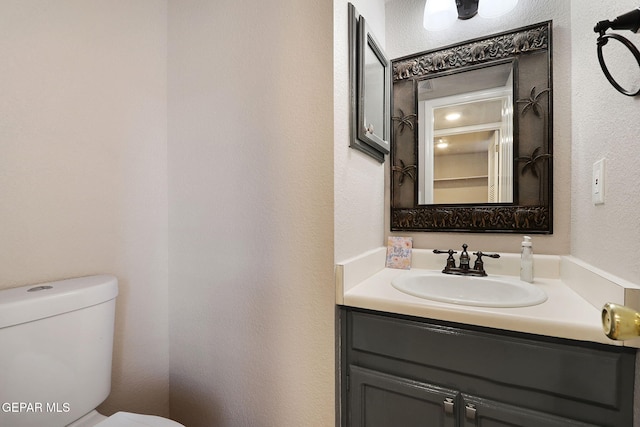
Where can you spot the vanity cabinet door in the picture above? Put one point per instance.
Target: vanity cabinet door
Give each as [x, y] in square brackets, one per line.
[489, 413]
[382, 400]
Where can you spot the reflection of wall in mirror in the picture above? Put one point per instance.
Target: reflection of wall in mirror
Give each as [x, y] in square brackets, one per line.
[461, 178]
[374, 99]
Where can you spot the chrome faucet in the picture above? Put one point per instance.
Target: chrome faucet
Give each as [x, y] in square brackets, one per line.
[464, 268]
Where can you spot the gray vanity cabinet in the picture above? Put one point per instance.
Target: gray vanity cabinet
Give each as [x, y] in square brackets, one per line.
[399, 371]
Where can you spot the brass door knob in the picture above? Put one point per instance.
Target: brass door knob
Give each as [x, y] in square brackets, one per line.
[620, 322]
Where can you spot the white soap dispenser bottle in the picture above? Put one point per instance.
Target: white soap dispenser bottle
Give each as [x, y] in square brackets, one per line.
[526, 260]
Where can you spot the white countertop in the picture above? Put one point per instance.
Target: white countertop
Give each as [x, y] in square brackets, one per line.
[572, 309]
[564, 314]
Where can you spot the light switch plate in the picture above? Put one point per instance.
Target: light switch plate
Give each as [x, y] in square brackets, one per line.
[597, 183]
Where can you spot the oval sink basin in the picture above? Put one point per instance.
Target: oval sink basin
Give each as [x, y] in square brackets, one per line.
[469, 290]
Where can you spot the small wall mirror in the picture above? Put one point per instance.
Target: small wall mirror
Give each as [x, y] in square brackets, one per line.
[472, 137]
[370, 77]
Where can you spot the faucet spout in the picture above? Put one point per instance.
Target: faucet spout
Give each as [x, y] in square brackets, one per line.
[464, 257]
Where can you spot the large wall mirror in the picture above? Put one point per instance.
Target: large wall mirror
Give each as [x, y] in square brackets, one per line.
[472, 137]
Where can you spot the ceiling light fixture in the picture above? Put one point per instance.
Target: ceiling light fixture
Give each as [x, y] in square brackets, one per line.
[452, 116]
[441, 14]
[467, 9]
[442, 143]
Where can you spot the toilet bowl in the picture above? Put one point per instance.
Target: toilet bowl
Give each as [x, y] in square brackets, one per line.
[58, 336]
[127, 419]
[123, 419]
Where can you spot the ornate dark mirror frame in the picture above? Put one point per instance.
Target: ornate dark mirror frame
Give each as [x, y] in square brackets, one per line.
[531, 211]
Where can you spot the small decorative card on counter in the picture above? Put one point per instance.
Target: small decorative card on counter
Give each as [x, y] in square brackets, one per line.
[399, 252]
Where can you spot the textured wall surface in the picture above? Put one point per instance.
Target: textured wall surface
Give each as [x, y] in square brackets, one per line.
[605, 125]
[251, 213]
[405, 35]
[83, 167]
[359, 179]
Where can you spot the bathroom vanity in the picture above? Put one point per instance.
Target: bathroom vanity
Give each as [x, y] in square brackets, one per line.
[408, 371]
[407, 361]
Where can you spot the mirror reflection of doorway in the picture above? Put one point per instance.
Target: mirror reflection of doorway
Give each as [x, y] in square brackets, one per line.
[466, 138]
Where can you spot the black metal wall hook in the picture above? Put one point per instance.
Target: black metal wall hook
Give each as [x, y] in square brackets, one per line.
[628, 21]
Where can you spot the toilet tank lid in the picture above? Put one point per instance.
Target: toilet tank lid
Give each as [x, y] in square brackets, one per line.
[32, 302]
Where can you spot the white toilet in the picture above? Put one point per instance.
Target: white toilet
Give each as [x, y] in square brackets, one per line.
[56, 344]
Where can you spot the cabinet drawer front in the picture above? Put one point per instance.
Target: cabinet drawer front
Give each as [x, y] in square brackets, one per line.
[582, 373]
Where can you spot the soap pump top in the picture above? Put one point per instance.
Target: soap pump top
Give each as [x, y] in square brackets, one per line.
[527, 241]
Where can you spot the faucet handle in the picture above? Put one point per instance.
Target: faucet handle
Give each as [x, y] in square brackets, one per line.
[479, 264]
[449, 251]
[480, 254]
[451, 262]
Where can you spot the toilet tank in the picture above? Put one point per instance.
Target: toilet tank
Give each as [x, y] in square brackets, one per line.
[56, 345]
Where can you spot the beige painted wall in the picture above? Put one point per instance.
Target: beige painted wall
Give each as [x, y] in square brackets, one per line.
[83, 179]
[605, 125]
[251, 213]
[405, 35]
[83, 167]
